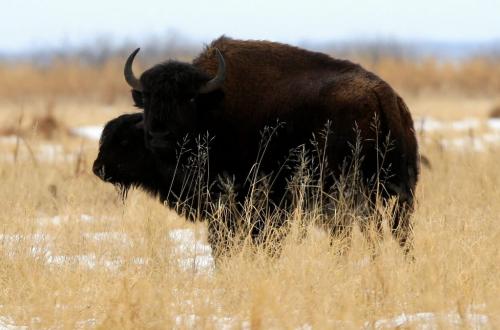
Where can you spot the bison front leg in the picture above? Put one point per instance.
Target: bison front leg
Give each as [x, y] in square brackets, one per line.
[401, 226]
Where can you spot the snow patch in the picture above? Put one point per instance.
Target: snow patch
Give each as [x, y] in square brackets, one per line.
[108, 236]
[192, 321]
[186, 243]
[44, 152]
[427, 320]
[9, 139]
[60, 219]
[192, 253]
[6, 323]
[189, 252]
[88, 132]
[465, 124]
[479, 143]
[463, 144]
[494, 123]
[428, 124]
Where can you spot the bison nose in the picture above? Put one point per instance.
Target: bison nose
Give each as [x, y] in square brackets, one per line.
[99, 170]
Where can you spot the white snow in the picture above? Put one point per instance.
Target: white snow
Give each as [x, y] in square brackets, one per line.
[189, 251]
[463, 144]
[431, 125]
[186, 243]
[494, 123]
[423, 320]
[60, 219]
[428, 124]
[6, 323]
[108, 236]
[427, 320]
[43, 152]
[492, 138]
[9, 139]
[192, 252]
[479, 143]
[465, 124]
[88, 132]
[86, 218]
[190, 321]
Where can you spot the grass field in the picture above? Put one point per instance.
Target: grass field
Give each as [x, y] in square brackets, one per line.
[73, 255]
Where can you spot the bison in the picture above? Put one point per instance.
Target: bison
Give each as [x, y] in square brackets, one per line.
[124, 161]
[234, 89]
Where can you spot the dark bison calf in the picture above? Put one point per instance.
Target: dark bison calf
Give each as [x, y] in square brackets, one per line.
[124, 161]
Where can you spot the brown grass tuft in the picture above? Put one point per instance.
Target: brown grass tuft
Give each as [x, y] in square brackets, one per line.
[495, 112]
[47, 125]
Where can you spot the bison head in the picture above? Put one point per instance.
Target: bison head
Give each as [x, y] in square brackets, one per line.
[123, 159]
[174, 96]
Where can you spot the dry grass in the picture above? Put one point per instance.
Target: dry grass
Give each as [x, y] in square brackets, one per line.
[71, 79]
[108, 264]
[120, 268]
[472, 77]
[495, 112]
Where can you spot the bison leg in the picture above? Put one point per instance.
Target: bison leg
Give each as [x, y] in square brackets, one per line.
[401, 225]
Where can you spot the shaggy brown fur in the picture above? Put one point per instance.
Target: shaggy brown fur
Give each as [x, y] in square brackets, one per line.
[268, 82]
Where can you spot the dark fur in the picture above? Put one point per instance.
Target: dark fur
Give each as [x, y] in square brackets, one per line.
[268, 82]
[124, 161]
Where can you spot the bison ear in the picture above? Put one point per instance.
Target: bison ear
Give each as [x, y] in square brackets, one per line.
[138, 99]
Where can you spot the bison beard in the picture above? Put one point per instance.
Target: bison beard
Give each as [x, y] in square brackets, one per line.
[259, 84]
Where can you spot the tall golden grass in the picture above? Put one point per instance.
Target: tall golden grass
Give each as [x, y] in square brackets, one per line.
[105, 263]
[121, 268]
[104, 83]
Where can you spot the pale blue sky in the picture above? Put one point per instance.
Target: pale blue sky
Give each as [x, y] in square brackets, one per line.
[28, 24]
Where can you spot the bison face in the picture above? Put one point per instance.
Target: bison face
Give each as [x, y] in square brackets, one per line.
[169, 100]
[174, 98]
[123, 159]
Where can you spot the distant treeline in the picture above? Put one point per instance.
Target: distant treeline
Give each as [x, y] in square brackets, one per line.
[176, 45]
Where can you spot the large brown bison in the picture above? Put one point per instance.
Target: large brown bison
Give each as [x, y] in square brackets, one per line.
[236, 89]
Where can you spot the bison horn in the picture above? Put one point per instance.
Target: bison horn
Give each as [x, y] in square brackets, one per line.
[129, 75]
[216, 82]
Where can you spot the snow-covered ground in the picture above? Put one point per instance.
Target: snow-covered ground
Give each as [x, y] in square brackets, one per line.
[191, 252]
[428, 320]
[430, 124]
[43, 152]
[89, 132]
[6, 323]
